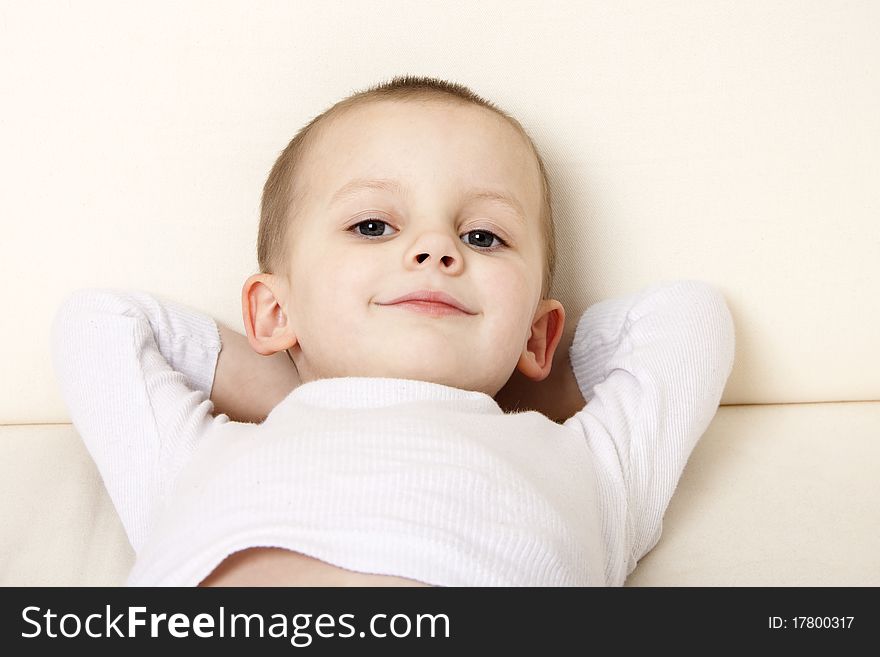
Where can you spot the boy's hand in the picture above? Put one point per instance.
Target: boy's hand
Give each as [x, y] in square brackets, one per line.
[248, 385]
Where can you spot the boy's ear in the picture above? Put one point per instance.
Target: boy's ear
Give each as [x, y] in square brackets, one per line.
[537, 356]
[267, 326]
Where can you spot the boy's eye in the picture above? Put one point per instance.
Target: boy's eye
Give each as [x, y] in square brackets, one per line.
[485, 238]
[481, 238]
[371, 227]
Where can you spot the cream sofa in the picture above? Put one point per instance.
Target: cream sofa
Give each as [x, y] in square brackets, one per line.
[736, 144]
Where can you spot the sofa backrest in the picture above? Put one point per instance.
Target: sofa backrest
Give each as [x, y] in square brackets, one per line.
[735, 143]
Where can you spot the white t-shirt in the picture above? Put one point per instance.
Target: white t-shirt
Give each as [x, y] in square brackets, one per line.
[394, 476]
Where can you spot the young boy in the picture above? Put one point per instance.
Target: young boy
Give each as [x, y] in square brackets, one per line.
[406, 255]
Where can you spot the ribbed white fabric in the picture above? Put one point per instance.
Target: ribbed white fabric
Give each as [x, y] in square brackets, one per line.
[394, 476]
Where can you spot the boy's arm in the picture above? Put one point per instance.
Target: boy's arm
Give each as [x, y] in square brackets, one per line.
[652, 367]
[248, 385]
[135, 373]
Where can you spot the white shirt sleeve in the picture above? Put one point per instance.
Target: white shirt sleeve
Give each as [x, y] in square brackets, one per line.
[652, 367]
[136, 375]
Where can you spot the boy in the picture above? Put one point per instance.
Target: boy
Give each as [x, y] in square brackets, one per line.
[406, 255]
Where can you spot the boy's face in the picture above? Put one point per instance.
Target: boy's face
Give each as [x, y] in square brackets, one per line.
[346, 265]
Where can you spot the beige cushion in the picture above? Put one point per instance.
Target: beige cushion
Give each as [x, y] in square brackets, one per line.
[779, 495]
[59, 525]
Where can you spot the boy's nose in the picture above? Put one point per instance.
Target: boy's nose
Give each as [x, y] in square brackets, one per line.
[435, 249]
[446, 260]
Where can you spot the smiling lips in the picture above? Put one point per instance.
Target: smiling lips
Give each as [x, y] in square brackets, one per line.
[430, 302]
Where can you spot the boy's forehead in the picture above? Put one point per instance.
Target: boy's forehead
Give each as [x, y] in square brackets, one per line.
[412, 140]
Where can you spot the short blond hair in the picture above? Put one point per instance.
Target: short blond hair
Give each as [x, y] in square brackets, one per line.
[280, 204]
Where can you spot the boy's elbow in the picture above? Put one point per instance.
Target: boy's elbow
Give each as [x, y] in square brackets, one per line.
[717, 325]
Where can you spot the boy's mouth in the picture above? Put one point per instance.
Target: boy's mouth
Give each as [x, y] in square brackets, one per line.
[434, 302]
[431, 308]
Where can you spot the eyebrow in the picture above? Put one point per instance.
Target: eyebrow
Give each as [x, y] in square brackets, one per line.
[352, 187]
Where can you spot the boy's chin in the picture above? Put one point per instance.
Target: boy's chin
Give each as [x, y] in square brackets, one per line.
[426, 373]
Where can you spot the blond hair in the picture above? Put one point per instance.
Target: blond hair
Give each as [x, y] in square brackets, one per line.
[280, 204]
